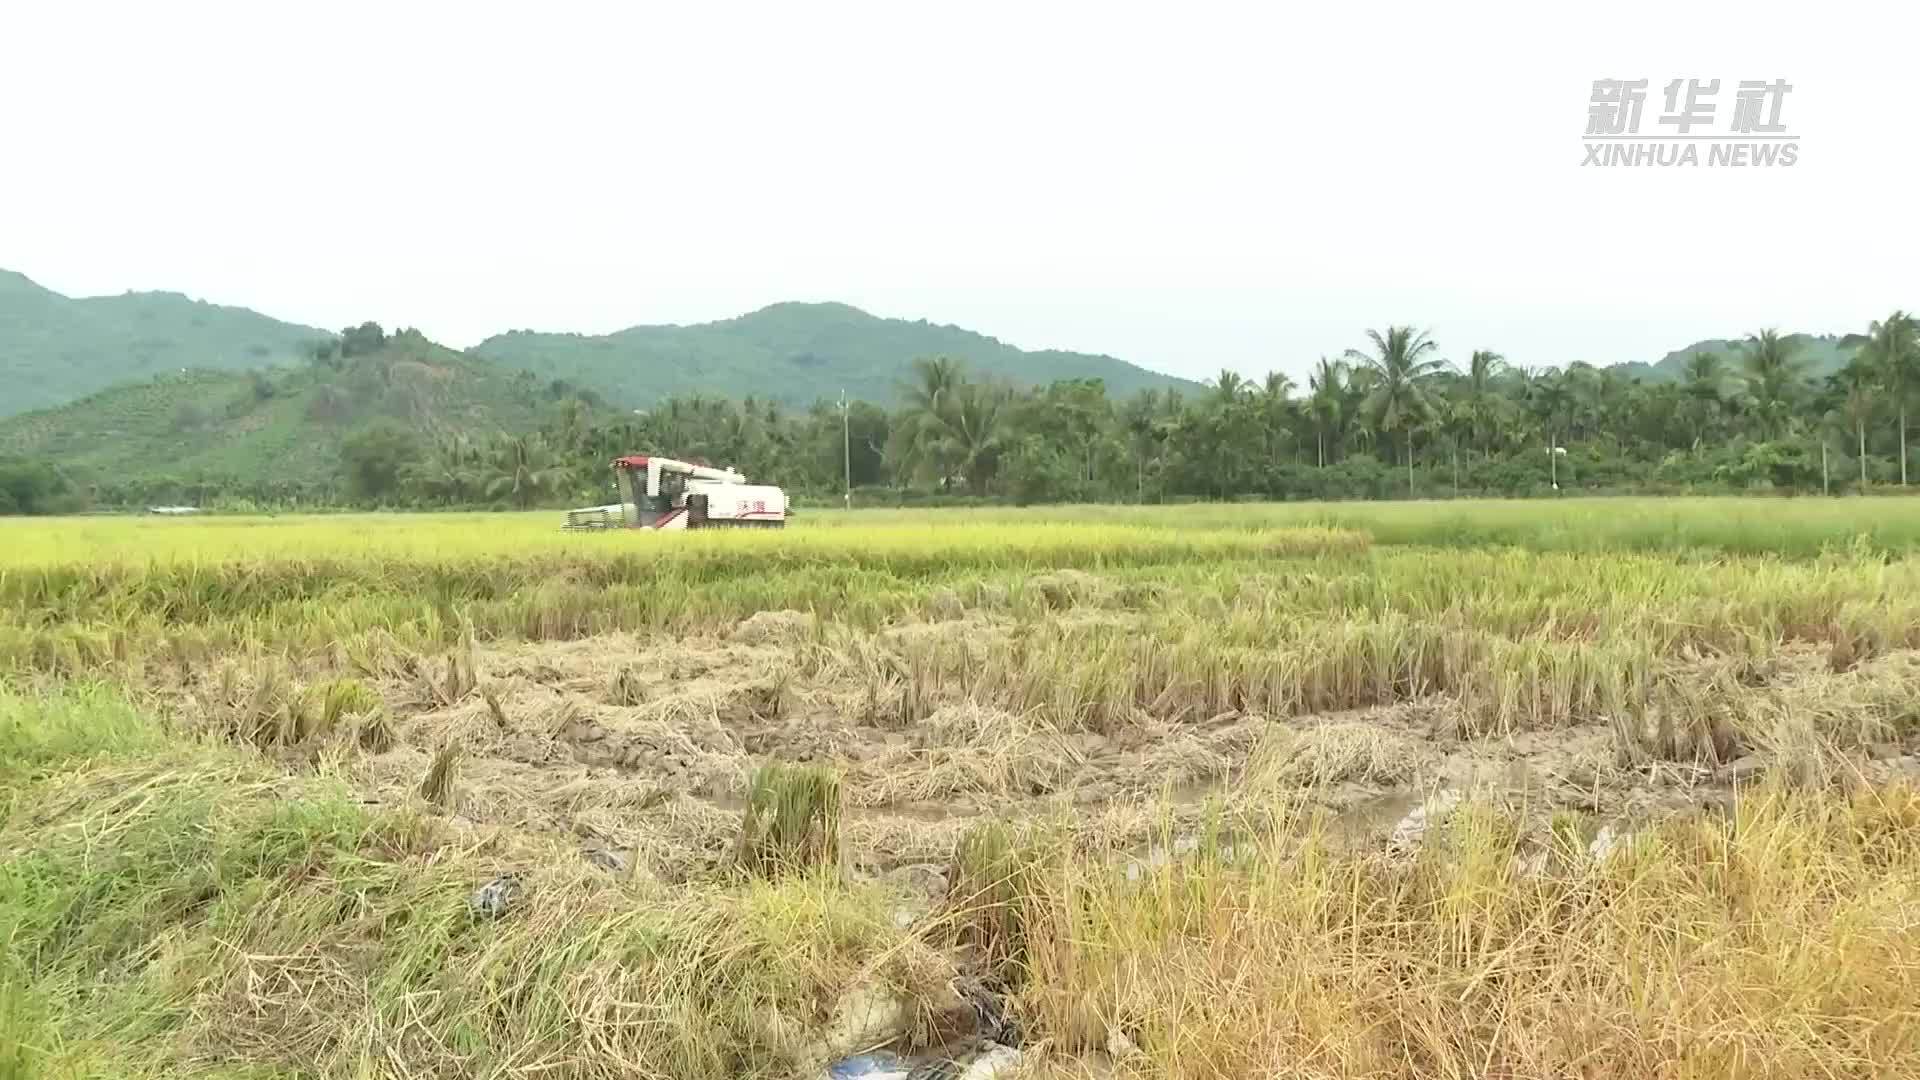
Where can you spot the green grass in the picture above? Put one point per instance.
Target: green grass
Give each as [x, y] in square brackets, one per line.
[83, 721]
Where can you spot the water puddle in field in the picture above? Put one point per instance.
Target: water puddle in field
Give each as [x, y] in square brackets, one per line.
[1374, 817]
[1217, 844]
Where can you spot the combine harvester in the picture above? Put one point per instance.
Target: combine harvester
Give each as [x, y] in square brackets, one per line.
[661, 493]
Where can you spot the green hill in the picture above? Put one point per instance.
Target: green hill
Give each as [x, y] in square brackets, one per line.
[1823, 355]
[794, 353]
[54, 349]
[270, 432]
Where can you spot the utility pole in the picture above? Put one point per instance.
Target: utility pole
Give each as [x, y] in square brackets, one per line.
[846, 447]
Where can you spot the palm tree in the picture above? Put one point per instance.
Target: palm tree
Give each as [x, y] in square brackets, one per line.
[1457, 424]
[1551, 399]
[1140, 419]
[1582, 383]
[934, 378]
[1224, 425]
[1773, 376]
[1229, 387]
[524, 468]
[1276, 411]
[1857, 402]
[1893, 348]
[1705, 383]
[953, 424]
[1612, 394]
[1325, 402]
[929, 404]
[1519, 395]
[1481, 402]
[1398, 400]
[447, 473]
[976, 427]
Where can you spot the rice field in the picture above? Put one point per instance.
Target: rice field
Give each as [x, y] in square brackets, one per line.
[1584, 788]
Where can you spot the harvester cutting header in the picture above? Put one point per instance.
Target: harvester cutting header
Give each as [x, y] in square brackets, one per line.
[661, 493]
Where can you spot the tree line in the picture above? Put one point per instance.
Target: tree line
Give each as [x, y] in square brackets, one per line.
[1389, 419]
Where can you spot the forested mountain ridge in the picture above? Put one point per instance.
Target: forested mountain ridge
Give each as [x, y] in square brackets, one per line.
[284, 433]
[794, 353]
[1821, 354]
[55, 349]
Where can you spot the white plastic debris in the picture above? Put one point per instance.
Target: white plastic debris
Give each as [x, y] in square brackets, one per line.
[1411, 830]
[1607, 843]
[994, 1062]
[883, 1065]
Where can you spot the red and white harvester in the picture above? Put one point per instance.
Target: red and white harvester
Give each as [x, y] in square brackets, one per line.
[661, 493]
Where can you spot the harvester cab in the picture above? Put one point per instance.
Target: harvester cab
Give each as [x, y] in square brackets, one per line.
[661, 493]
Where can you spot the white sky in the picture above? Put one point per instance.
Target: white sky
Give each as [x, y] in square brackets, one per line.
[1187, 186]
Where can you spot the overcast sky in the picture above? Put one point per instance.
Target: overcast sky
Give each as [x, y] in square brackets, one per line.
[1186, 186]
